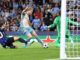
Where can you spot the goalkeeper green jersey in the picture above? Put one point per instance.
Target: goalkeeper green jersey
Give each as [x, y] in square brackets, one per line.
[57, 23]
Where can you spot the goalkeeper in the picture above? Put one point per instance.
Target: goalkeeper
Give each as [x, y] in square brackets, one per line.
[57, 23]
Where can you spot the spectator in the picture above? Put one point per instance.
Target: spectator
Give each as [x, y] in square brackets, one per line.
[36, 23]
[56, 1]
[38, 13]
[10, 10]
[43, 27]
[6, 14]
[77, 12]
[13, 27]
[55, 9]
[46, 17]
[15, 4]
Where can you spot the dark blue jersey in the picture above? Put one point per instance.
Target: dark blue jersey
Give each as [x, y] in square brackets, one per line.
[3, 38]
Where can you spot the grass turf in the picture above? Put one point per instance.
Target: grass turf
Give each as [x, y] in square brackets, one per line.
[34, 52]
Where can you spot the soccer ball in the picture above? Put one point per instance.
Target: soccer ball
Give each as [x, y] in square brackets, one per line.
[45, 45]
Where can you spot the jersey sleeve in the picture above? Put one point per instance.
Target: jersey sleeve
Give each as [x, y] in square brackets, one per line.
[54, 22]
[72, 22]
[22, 16]
[26, 17]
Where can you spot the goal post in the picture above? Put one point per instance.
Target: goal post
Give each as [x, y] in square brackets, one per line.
[70, 47]
[62, 44]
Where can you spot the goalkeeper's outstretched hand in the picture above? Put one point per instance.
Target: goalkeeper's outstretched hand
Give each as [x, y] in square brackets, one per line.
[46, 28]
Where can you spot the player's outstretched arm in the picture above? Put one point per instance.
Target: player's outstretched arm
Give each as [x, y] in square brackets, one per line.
[74, 23]
[24, 10]
[51, 26]
[56, 20]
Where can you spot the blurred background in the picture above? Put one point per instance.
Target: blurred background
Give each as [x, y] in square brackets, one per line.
[43, 14]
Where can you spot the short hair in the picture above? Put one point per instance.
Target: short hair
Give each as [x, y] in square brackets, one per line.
[2, 22]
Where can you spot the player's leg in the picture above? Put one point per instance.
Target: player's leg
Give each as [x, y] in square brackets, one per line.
[9, 42]
[45, 45]
[12, 46]
[29, 37]
[27, 32]
[30, 32]
[36, 36]
[19, 39]
[58, 39]
[57, 42]
[22, 40]
[70, 38]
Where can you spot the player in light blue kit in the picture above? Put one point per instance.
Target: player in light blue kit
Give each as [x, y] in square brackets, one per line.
[25, 25]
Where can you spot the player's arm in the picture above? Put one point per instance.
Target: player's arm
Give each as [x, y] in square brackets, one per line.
[24, 10]
[54, 23]
[72, 22]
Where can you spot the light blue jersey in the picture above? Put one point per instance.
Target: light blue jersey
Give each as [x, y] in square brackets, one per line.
[25, 28]
[24, 17]
[36, 23]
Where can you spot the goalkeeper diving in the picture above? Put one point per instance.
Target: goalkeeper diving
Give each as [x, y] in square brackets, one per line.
[57, 23]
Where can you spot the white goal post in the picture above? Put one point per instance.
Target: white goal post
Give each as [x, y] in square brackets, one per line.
[62, 44]
[74, 54]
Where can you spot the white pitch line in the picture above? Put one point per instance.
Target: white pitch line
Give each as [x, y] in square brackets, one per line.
[53, 59]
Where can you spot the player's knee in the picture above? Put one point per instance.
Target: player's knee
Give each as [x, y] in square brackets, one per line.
[16, 38]
[34, 34]
[29, 36]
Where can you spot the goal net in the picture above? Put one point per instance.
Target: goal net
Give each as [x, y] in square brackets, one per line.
[70, 29]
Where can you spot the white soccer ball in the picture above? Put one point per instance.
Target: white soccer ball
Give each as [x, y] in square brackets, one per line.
[45, 45]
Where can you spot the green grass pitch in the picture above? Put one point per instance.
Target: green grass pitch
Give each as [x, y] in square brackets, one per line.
[34, 52]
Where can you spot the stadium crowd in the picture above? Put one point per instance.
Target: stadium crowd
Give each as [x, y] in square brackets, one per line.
[73, 11]
[10, 11]
[43, 13]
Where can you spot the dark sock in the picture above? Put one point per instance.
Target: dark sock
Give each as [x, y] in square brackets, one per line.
[22, 40]
[28, 39]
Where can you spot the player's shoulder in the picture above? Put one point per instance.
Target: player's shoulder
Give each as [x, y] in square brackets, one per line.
[58, 17]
